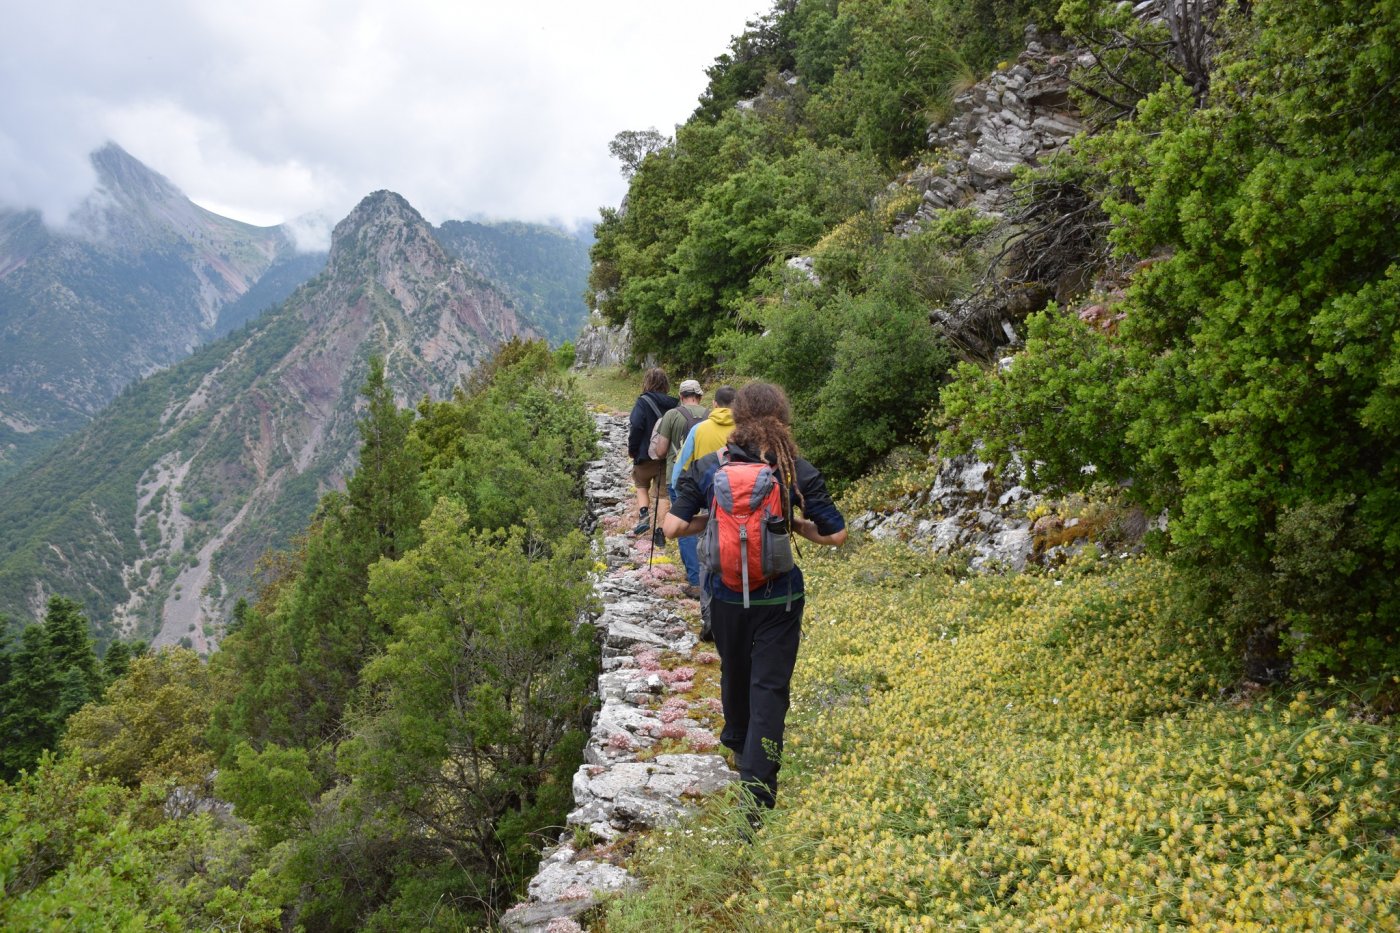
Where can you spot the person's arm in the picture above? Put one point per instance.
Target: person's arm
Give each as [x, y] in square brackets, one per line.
[808, 529]
[674, 527]
[685, 517]
[684, 457]
[822, 521]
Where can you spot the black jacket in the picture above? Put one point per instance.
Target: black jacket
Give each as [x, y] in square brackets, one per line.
[643, 420]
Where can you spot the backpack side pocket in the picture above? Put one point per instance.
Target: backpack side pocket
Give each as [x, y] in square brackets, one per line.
[777, 547]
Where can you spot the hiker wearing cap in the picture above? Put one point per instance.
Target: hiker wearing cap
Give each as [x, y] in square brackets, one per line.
[753, 488]
[671, 433]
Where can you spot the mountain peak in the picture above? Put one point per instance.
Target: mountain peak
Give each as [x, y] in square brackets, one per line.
[387, 228]
[124, 176]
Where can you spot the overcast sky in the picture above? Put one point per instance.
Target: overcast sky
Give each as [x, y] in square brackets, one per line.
[267, 110]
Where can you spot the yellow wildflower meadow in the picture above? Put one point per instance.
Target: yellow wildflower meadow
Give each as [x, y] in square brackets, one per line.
[1037, 752]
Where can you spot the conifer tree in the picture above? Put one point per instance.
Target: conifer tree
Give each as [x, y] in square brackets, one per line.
[52, 675]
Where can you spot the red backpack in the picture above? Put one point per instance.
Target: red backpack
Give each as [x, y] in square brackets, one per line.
[747, 540]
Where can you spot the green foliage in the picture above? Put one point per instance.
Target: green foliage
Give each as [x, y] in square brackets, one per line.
[297, 665]
[514, 444]
[470, 728]
[740, 187]
[856, 351]
[1251, 386]
[149, 727]
[273, 789]
[1057, 401]
[332, 745]
[565, 355]
[51, 675]
[90, 855]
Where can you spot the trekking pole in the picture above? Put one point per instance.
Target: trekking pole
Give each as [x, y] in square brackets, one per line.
[655, 507]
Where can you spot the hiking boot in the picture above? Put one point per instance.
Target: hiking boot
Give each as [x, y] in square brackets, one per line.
[658, 538]
[691, 591]
[643, 522]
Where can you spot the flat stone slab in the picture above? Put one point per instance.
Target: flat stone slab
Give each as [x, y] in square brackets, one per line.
[658, 792]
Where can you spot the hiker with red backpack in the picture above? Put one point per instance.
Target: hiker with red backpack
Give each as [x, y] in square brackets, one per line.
[753, 488]
[705, 438]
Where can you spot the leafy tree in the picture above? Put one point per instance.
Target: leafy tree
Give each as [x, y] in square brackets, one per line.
[116, 661]
[297, 665]
[273, 789]
[513, 444]
[763, 48]
[150, 725]
[630, 147]
[52, 675]
[94, 855]
[473, 717]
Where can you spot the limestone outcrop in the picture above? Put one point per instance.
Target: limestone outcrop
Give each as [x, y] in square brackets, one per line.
[600, 344]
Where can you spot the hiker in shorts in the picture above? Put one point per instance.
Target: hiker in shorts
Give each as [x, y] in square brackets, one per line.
[756, 631]
[646, 470]
[668, 439]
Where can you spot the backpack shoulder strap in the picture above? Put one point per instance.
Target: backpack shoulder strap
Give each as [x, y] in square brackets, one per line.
[652, 405]
[692, 420]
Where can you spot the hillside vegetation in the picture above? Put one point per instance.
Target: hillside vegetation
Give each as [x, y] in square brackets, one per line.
[395, 719]
[1195, 730]
[1203, 284]
[1039, 752]
[1200, 738]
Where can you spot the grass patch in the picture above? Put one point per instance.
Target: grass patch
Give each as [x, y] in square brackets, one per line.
[1040, 752]
[610, 388]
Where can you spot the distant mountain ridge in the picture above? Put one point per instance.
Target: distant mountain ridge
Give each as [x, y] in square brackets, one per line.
[133, 282]
[543, 269]
[154, 515]
[141, 276]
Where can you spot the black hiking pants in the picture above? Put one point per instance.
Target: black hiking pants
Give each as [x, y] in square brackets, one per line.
[757, 650]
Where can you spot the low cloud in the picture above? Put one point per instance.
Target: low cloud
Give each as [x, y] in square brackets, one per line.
[275, 112]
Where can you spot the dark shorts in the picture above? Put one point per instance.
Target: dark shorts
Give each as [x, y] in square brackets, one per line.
[647, 475]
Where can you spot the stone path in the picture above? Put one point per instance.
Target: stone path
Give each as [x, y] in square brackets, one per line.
[653, 750]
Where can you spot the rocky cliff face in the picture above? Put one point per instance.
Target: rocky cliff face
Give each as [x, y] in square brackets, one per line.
[600, 344]
[209, 463]
[133, 282]
[1018, 117]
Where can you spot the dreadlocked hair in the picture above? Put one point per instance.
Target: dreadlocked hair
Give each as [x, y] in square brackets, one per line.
[655, 380]
[763, 423]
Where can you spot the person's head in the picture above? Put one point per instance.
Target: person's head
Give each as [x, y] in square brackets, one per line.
[691, 391]
[724, 397]
[763, 425]
[655, 380]
[762, 401]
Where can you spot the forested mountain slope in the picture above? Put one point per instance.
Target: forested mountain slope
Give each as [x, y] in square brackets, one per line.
[543, 270]
[155, 514]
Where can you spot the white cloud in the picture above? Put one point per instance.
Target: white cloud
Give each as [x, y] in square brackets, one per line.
[272, 109]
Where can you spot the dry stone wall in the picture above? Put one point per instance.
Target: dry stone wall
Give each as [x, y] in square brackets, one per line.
[652, 753]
